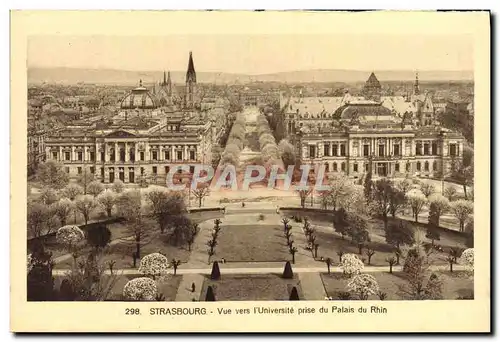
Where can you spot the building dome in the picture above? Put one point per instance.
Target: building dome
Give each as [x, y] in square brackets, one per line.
[139, 98]
[362, 109]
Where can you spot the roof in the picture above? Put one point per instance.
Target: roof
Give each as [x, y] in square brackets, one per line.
[372, 82]
[140, 98]
[363, 109]
[191, 73]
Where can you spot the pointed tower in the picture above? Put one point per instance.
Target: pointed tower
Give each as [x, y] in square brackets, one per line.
[416, 87]
[169, 85]
[190, 82]
[164, 82]
[372, 89]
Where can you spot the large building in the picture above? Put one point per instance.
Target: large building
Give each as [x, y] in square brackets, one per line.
[353, 135]
[143, 141]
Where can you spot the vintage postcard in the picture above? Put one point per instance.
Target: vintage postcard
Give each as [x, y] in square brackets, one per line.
[250, 171]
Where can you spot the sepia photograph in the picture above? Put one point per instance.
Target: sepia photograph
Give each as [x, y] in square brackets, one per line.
[332, 167]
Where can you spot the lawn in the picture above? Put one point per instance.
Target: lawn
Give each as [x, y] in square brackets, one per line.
[251, 287]
[122, 248]
[256, 242]
[167, 287]
[330, 242]
[454, 284]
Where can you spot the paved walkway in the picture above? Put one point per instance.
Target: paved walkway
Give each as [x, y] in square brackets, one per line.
[312, 286]
[184, 293]
[267, 270]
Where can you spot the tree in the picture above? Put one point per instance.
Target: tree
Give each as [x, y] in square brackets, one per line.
[38, 219]
[417, 201]
[175, 264]
[450, 192]
[210, 296]
[462, 209]
[294, 295]
[211, 244]
[129, 206]
[118, 186]
[363, 285]
[51, 174]
[399, 234]
[95, 188]
[427, 189]
[140, 289]
[329, 263]
[72, 191]
[404, 186]
[434, 288]
[397, 200]
[287, 272]
[154, 265]
[293, 250]
[48, 196]
[415, 269]
[369, 253]
[168, 207]
[40, 283]
[84, 179]
[62, 209]
[381, 195]
[463, 170]
[433, 233]
[341, 224]
[303, 193]
[200, 193]
[215, 275]
[193, 230]
[438, 204]
[467, 259]
[107, 200]
[391, 261]
[85, 206]
[358, 231]
[287, 153]
[98, 236]
[368, 184]
[351, 264]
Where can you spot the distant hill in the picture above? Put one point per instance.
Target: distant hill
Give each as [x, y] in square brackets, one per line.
[110, 76]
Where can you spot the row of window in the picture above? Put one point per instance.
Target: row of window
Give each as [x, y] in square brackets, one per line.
[396, 167]
[121, 156]
[121, 170]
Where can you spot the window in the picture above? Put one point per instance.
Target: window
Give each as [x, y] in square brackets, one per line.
[167, 169]
[191, 169]
[92, 156]
[342, 166]
[355, 167]
[192, 155]
[155, 170]
[327, 167]
[154, 155]
[426, 166]
[312, 151]
[79, 156]
[381, 150]
[434, 166]
[434, 148]
[396, 167]
[326, 150]
[335, 149]
[453, 150]
[142, 171]
[103, 156]
[92, 170]
[66, 169]
[167, 155]
[396, 150]
[67, 156]
[122, 155]
[179, 155]
[112, 155]
[79, 170]
[342, 149]
[54, 155]
[366, 150]
[141, 156]
[426, 149]
[418, 166]
[408, 166]
[334, 167]
[366, 167]
[418, 150]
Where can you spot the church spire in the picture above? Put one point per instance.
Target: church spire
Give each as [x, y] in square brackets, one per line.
[164, 78]
[191, 73]
[416, 88]
[169, 85]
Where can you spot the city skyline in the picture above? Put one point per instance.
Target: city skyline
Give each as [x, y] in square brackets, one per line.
[256, 54]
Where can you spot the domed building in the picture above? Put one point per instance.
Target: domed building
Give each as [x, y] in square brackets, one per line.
[139, 98]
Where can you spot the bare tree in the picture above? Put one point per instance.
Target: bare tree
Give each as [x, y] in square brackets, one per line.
[85, 206]
[200, 193]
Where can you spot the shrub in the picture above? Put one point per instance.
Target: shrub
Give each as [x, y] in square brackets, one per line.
[210, 296]
[140, 289]
[294, 295]
[154, 264]
[215, 275]
[287, 272]
[351, 264]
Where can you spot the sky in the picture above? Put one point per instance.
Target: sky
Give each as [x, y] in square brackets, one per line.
[254, 54]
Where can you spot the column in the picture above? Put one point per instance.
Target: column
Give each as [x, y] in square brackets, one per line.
[172, 153]
[127, 158]
[146, 152]
[72, 153]
[160, 154]
[60, 156]
[185, 156]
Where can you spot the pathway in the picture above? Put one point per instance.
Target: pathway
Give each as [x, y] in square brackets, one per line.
[268, 270]
[184, 293]
[312, 286]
